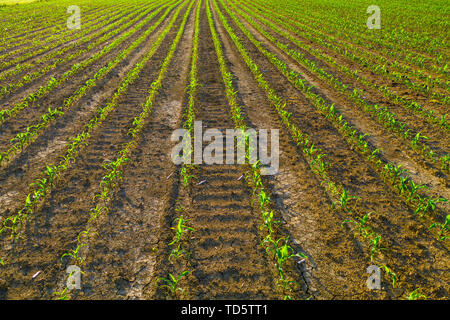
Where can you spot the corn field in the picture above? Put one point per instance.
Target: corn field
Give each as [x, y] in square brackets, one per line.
[91, 93]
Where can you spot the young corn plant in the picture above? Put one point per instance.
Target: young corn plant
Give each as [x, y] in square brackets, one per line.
[395, 171]
[186, 175]
[416, 295]
[364, 230]
[62, 295]
[428, 205]
[74, 254]
[375, 246]
[344, 200]
[178, 252]
[390, 274]
[416, 139]
[403, 184]
[181, 228]
[282, 251]
[444, 228]
[172, 282]
[413, 191]
[264, 199]
[269, 222]
[445, 161]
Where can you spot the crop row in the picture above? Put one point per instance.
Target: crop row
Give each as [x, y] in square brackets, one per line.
[171, 282]
[277, 247]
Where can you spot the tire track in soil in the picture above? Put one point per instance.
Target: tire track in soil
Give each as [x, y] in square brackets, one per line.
[226, 259]
[121, 263]
[55, 228]
[393, 148]
[26, 168]
[417, 258]
[336, 265]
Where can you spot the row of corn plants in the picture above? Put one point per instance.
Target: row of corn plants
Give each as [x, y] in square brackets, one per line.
[408, 104]
[111, 181]
[54, 83]
[399, 178]
[87, 37]
[23, 139]
[186, 170]
[378, 112]
[171, 281]
[45, 184]
[278, 248]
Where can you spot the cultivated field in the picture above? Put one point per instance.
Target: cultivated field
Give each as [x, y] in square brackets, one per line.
[87, 180]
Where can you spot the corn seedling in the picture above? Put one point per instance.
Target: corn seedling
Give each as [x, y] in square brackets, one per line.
[180, 229]
[282, 251]
[443, 228]
[269, 222]
[172, 282]
[74, 254]
[375, 246]
[344, 199]
[62, 295]
[428, 205]
[390, 274]
[417, 138]
[416, 295]
[364, 230]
